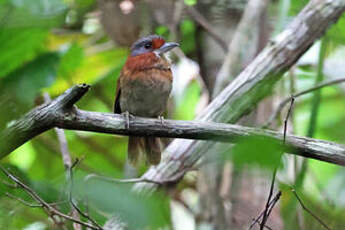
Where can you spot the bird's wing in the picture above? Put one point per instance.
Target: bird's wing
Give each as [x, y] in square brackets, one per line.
[117, 108]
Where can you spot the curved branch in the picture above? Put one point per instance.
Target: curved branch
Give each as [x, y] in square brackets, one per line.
[62, 114]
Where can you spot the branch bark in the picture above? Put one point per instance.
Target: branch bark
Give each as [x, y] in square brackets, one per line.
[39, 120]
[62, 114]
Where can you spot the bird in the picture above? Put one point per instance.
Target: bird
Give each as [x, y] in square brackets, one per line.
[143, 89]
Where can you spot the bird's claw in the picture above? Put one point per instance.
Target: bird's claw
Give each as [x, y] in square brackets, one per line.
[127, 116]
[161, 118]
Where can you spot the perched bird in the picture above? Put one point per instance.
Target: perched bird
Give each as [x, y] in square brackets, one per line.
[143, 89]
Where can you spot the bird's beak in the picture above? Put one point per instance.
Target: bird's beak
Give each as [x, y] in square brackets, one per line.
[166, 47]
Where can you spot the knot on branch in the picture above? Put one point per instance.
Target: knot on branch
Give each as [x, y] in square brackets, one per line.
[71, 96]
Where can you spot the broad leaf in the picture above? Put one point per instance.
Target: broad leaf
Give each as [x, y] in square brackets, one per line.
[19, 89]
[256, 150]
[138, 211]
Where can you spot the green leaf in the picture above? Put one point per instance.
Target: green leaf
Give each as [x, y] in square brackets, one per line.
[19, 46]
[24, 28]
[257, 150]
[188, 30]
[185, 110]
[101, 64]
[140, 212]
[71, 60]
[190, 2]
[19, 89]
[163, 31]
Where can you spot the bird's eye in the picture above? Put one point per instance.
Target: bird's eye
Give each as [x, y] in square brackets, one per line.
[148, 45]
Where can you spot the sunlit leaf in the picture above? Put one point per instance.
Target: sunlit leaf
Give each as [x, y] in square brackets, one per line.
[190, 2]
[23, 157]
[93, 68]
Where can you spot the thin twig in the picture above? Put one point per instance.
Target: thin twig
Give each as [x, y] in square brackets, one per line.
[70, 196]
[50, 210]
[271, 204]
[287, 118]
[303, 92]
[266, 211]
[13, 186]
[314, 111]
[31, 205]
[309, 211]
[274, 201]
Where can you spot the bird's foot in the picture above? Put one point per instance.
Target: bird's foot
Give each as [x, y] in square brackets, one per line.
[161, 118]
[127, 116]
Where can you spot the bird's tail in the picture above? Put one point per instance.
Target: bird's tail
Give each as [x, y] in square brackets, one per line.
[149, 146]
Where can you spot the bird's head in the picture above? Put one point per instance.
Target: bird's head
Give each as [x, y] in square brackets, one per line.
[152, 44]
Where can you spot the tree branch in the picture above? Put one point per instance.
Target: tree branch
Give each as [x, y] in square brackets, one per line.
[59, 113]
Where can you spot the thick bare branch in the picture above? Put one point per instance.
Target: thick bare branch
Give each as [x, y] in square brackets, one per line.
[54, 114]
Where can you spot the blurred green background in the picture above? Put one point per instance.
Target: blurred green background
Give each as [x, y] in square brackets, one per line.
[46, 46]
